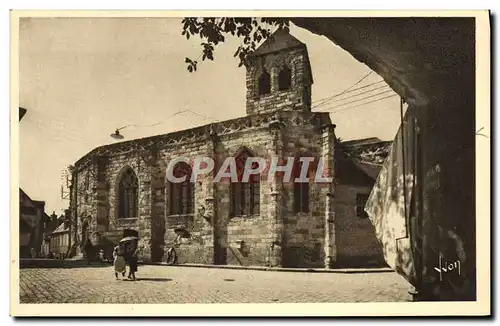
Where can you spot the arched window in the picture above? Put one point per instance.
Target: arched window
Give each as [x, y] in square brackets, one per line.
[284, 79]
[128, 195]
[182, 193]
[301, 189]
[245, 196]
[264, 83]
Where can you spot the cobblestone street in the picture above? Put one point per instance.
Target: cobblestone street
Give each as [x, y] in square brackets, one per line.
[162, 284]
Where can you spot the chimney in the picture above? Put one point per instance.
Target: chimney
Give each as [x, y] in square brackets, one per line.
[53, 218]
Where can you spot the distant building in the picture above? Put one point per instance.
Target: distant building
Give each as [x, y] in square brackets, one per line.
[25, 232]
[357, 167]
[32, 222]
[59, 240]
[50, 227]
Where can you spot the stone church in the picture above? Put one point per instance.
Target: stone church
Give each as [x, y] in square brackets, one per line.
[122, 186]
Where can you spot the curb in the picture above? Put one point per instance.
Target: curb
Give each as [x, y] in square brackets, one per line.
[282, 269]
[47, 263]
[58, 263]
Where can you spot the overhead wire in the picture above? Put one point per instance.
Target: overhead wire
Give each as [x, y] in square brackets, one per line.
[327, 99]
[347, 89]
[357, 100]
[355, 95]
[361, 104]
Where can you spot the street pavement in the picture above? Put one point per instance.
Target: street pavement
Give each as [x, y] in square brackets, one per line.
[169, 284]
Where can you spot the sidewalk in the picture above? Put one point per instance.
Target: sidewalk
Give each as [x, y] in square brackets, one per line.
[58, 263]
[68, 263]
[283, 269]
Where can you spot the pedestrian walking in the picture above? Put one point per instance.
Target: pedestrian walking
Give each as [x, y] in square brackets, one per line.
[119, 262]
[131, 251]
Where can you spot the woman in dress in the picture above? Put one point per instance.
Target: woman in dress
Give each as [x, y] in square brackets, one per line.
[119, 261]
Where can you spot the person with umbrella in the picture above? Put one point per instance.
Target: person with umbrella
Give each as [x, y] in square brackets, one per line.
[130, 250]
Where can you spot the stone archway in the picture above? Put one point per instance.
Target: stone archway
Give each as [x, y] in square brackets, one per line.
[431, 63]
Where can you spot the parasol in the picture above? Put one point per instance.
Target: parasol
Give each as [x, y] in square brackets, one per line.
[129, 239]
[182, 232]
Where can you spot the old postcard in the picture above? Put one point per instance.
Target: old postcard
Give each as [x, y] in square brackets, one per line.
[298, 164]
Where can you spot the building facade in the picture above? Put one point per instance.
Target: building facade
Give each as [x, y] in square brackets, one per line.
[358, 164]
[60, 241]
[265, 221]
[32, 222]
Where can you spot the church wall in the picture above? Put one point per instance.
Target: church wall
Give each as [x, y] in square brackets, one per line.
[304, 232]
[106, 199]
[255, 231]
[199, 248]
[84, 194]
[246, 239]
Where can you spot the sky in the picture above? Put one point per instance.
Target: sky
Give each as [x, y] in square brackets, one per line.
[81, 78]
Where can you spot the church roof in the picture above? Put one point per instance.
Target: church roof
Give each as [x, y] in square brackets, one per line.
[199, 133]
[348, 171]
[361, 142]
[61, 229]
[280, 40]
[359, 161]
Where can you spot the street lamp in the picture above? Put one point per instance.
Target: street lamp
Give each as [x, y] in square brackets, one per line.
[116, 134]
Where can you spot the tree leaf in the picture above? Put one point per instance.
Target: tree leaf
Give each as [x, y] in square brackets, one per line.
[237, 52]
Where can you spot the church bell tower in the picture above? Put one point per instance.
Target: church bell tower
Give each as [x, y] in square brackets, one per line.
[279, 76]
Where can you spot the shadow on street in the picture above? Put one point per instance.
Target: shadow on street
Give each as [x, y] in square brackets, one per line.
[155, 279]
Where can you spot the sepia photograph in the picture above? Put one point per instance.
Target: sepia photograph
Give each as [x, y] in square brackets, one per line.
[167, 159]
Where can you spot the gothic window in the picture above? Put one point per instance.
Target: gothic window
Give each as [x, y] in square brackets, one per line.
[264, 83]
[128, 195]
[245, 196]
[300, 189]
[182, 193]
[284, 79]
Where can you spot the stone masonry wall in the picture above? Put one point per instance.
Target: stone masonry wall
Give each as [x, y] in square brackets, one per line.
[198, 249]
[254, 231]
[303, 232]
[357, 245]
[142, 168]
[85, 209]
[295, 98]
[234, 240]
